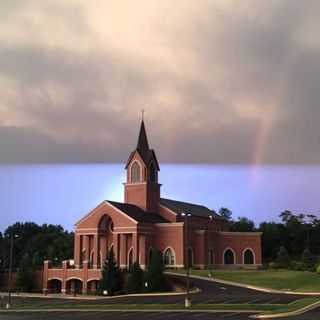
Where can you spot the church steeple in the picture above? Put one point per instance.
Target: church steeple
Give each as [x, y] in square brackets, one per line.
[143, 145]
[142, 167]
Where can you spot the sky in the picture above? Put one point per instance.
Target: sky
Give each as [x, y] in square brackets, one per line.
[63, 194]
[222, 81]
[230, 91]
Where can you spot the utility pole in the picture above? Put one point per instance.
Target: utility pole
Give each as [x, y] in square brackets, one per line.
[12, 237]
[188, 298]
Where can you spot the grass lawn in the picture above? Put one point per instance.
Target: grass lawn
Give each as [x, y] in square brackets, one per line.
[274, 279]
[259, 308]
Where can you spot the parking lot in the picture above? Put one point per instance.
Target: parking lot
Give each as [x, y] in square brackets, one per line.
[211, 292]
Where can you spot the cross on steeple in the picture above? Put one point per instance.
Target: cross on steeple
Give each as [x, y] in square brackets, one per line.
[142, 114]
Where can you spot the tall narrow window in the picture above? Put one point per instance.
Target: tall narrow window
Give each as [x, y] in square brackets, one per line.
[248, 257]
[169, 258]
[135, 173]
[153, 173]
[228, 257]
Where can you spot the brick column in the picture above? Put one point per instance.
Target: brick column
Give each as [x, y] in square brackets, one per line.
[45, 276]
[96, 250]
[135, 245]
[142, 251]
[123, 251]
[64, 277]
[116, 246]
[85, 278]
[77, 250]
[87, 247]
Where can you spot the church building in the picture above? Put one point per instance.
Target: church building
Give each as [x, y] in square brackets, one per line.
[184, 232]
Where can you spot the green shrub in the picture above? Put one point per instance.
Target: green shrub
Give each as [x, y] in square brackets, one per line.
[24, 275]
[283, 258]
[318, 269]
[135, 279]
[307, 259]
[297, 266]
[154, 277]
[111, 276]
[273, 265]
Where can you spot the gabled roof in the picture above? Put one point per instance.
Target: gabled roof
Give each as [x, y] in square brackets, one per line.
[143, 149]
[185, 207]
[137, 213]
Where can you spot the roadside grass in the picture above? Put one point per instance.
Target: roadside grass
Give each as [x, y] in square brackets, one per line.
[286, 280]
[259, 308]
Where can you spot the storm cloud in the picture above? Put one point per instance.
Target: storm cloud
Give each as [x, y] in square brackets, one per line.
[221, 81]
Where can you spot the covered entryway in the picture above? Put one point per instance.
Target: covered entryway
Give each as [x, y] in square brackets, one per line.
[54, 285]
[92, 286]
[74, 286]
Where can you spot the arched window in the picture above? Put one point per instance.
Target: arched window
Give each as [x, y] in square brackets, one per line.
[91, 259]
[169, 258]
[135, 173]
[211, 257]
[150, 254]
[248, 257]
[130, 258]
[153, 173]
[228, 257]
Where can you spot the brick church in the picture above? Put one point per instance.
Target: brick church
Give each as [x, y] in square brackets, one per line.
[180, 230]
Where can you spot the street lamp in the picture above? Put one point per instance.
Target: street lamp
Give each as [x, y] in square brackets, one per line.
[12, 237]
[188, 298]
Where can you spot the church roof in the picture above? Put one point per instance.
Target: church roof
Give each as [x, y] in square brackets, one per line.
[137, 213]
[143, 148]
[185, 207]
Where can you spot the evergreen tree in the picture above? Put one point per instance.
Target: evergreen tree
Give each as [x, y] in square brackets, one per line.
[283, 258]
[111, 276]
[154, 276]
[135, 279]
[24, 275]
[307, 259]
[225, 213]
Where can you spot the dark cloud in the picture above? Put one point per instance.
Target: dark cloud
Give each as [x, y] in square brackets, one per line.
[222, 82]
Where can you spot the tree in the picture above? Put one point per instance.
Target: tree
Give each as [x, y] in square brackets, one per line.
[46, 241]
[111, 276]
[225, 213]
[24, 275]
[135, 279]
[307, 259]
[242, 225]
[283, 258]
[154, 276]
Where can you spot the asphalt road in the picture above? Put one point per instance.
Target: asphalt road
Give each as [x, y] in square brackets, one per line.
[313, 315]
[123, 316]
[210, 293]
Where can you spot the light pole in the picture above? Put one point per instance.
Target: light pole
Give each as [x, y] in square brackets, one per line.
[12, 237]
[187, 301]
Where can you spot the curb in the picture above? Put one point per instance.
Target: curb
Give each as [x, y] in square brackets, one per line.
[288, 314]
[128, 310]
[246, 286]
[91, 298]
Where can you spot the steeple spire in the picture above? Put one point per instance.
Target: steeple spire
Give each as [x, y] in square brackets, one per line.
[143, 145]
